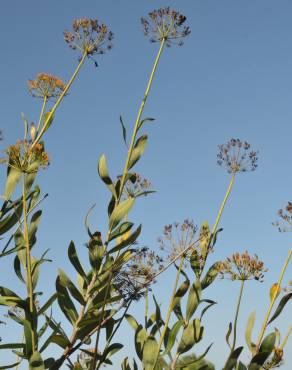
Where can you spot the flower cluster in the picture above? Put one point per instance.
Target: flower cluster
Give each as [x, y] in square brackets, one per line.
[242, 267]
[286, 219]
[46, 86]
[138, 274]
[165, 24]
[177, 238]
[89, 37]
[136, 186]
[26, 159]
[236, 156]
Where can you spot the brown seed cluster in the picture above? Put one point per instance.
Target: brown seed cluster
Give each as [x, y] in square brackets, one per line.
[89, 36]
[46, 85]
[138, 274]
[176, 238]
[26, 159]
[285, 224]
[236, 156]
[242, 267]
[165, 24]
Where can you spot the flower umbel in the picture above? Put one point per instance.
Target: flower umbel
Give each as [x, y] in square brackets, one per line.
[138, 274]
[176, 238]
[136, 186]
[26, 159]
[46, 86]
[166, 24]
[236, 156]
[242, 267]
[285, 224]
[89, 36]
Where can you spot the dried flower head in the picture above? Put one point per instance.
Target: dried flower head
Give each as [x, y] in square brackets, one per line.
[46, 86]
[138, 274]
[26, 159]
[176, 238]
[276, 361]
[236, 156]
[89, 36]
[165, 24]
[242, 267]
[136, 186]
[285, 224]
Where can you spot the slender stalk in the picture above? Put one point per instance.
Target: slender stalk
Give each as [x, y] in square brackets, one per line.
[236, 316]
[42, 113]
[266, 320]
[137, 123]
[283, 344]
[28, 266]
[64, 92]
[170, 308]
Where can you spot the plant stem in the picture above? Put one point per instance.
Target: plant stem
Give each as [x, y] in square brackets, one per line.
[236, 315]
[170, 308]
[42, 113]
[283, 344]
[52, 111]
[137, 123]
[28, 266]
[266, 320]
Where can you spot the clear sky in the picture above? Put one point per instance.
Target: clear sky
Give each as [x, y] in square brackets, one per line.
[232, 78]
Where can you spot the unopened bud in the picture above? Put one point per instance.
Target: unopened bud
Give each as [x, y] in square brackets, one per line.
[273, 291]
[32, 131]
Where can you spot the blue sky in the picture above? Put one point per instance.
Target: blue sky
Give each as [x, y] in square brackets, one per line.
[232, 78]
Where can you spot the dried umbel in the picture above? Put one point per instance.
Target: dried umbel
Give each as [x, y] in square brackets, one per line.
[46, 86]
[237, 156]
[165, 24]
[136, 186]
[177, 238]
[285, 224]
[26, 159]
[138, 274]
[89, 36]
[242, 267]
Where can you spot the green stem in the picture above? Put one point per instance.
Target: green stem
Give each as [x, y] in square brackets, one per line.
[266, 320]
[28, 266]
[170, 308]
[283, 344]
[42, 113]
[137, 123]
[236, 315]
[64, 92]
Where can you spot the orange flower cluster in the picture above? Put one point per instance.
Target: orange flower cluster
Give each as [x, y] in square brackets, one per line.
[46, 85]
[26, 159]
[242, 267]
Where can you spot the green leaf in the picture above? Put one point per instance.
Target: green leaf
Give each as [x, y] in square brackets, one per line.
[131, 239]
[178, 296]
[124, 131]
[48, 304]
[121, 230]
[34, 222]
[150, 350]
[248, 331]
[280, 307]
[147, 119]
[36, 362]
[172, 336]
[28, 338]
[17, 269]
[210, 304]
[11, 345]
[9, 366]
[8, 222]
[233, 358]
[65, 302]
[210, 276]
[132, 321]
[188, 338]
[120, 211]
[229, 331]
[193, 299]
[268, 343]
[140, 338]
[72, 254]
[13, 178]
[46, 121]
[104, 175]
[138, 150]
[240, 366]
[66, 282]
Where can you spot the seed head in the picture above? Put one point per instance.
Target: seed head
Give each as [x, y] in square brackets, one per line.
[165, 24]
[89, 36]
[176, 238]
[46, 85]
[26, 159]
[285, 222]
[242, 267]
[236, 156]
